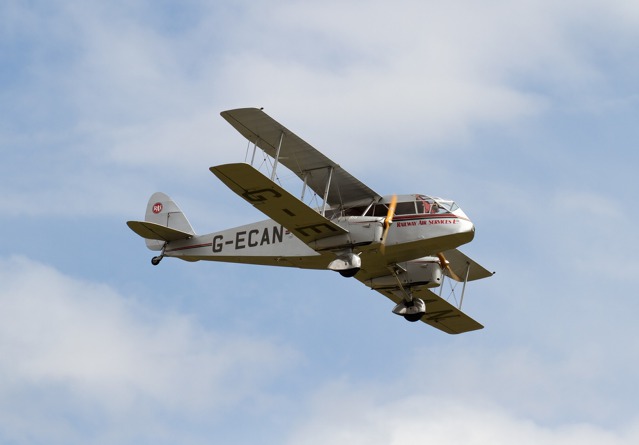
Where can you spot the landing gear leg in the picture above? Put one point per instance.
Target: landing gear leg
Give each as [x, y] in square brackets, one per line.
[156, 259]
[411, 308]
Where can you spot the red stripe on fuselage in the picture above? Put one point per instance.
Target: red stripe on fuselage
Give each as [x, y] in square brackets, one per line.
[195, 246]
[432, 216]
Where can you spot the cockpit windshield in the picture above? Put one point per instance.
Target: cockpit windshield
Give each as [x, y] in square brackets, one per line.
[437, 205]
[430, 205]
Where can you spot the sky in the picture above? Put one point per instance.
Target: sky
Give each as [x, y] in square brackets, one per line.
[525, 113]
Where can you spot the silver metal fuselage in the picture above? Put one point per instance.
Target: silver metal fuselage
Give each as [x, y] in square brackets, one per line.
[269, 243]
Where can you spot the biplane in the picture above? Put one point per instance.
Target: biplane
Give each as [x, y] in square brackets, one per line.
[402, 246]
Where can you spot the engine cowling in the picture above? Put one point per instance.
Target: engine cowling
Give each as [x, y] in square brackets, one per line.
[425, 271]
[362, 230]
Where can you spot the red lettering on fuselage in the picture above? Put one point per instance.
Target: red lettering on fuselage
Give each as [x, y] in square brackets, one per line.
[426, 222]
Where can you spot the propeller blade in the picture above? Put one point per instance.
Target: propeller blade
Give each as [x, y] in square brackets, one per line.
[388, 220]
[446, 265]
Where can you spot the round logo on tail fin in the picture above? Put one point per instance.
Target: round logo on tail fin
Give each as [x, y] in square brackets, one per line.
[157, 207]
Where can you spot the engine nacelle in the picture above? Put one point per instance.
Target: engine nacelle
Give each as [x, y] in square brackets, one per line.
[362, 230]
[422, 272]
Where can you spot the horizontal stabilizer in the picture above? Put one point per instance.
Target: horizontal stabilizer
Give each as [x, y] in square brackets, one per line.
[149, 230]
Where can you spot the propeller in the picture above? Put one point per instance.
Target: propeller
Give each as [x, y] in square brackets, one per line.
[388, 221]
[446, 265]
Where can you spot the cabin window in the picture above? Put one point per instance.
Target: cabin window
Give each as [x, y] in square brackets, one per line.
[405, 208]
[402, 208]
[431, 206]
[355, 211]
[425, 205]
[378, 210]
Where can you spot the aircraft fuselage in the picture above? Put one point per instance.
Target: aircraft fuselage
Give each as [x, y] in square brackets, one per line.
[269, 243]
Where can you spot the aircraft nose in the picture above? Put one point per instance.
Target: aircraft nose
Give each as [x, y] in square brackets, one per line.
[470, 229]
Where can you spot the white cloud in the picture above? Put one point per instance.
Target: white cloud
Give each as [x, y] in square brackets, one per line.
[352, 80]
[155, 145]
[348, 413]
[80, 348]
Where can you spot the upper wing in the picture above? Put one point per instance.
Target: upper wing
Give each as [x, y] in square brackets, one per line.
[298, 156]
[276, 203]
[440, 314]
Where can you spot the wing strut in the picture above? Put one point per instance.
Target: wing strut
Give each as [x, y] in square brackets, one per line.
[254, 151]
[328, 187]
[461, 299]
[394, 270]
[277, 156]
[305, 186]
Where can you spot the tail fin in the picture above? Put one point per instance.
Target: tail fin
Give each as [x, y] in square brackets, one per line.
[164, 221]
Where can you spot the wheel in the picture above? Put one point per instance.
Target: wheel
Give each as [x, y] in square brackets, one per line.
[414, 317]
[349, 272]
[156, 260]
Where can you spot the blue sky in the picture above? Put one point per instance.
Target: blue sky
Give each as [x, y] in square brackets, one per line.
[525, 113]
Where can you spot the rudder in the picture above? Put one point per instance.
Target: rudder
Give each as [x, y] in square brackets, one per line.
[163, 211]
